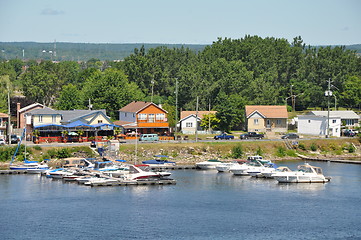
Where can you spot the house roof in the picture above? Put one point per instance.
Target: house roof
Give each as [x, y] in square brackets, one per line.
[341, 114]
[24, 109]
[136, 106]
[189, 116]
[43, 111]
[268, 111]
[200, 113]
[3, 115]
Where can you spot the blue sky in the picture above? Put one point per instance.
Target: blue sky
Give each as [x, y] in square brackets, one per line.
[318, 22]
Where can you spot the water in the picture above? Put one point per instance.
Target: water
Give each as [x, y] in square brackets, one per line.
[203, 205]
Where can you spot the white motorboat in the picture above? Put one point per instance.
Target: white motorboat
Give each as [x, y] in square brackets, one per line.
[136, 173]
[225, 167]
[305, 174]
[253, 165]
[210, 164]
[271, 172]
[147, 168]
[258, 171]
[59, 173]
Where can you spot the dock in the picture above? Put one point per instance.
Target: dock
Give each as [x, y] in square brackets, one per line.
[139, 183]
[176, 167]
[349, 161]
[13, 172]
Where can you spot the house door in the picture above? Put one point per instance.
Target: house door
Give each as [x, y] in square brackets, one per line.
[268, 123]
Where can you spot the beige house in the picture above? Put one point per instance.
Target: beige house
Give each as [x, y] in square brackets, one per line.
[264, 118]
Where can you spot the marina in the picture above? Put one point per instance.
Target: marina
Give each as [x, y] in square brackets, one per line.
[203, 204]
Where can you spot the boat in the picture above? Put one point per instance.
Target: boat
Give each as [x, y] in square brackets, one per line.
[59, 173]
[225, 167]
[137, 174]
[27, 165]
[305, 174]
[210, 164]
[270, 173]
[147, 168]
[252, 162]
[258, 171]
[159, 162]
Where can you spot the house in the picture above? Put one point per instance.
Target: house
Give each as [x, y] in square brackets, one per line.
[264, 118]
[22, 120]
[317, 125]
[349, 119]
[52, 123]
[191, 119]
[146, 117]
[4, 118]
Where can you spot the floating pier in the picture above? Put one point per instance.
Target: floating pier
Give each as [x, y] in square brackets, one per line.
[13, 172]
[120, 183]
[177, 167]
[330, 160]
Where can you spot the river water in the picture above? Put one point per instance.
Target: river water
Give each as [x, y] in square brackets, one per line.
[202, 205]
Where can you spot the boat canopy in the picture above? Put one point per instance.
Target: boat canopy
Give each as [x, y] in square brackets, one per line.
[161, 156]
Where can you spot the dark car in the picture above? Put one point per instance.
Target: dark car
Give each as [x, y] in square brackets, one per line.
[14, 139]
[349, 133]
[290, 136]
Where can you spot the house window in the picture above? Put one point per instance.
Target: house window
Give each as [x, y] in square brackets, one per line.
[142, 116]
[189, 124]
[40, 118]
[159, 116]
[125, 114]
[53, 118]
[268, 122]
[309, 121]
[255, 121]
[278, 122]
[151, 117]
[334, 121]
[100, 121]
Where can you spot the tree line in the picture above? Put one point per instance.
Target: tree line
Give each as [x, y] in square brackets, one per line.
[225, 76]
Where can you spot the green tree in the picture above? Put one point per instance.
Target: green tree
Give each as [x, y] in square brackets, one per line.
[210, 120]
[70, 98]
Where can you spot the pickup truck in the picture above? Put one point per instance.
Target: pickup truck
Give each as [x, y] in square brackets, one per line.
[253, 135]
[223, 136]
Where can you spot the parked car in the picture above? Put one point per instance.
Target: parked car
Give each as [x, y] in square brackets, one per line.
[2, 142]
[251, 135]
[290, 136]
[14, 139]
[224, 136]
[349, 133]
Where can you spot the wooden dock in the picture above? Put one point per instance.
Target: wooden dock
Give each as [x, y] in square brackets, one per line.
[13, 172]
[330, 160]
[176, 167]
[139, 183]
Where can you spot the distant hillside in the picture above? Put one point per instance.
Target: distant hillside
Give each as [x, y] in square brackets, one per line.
[77, 51]
[86, 51]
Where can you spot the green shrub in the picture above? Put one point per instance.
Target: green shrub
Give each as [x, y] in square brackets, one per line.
[313, 147]
[302, 146]
[38, 148]
[291, 153]
[259, 151]
[237, 151]
[351, 148]
[281, 152]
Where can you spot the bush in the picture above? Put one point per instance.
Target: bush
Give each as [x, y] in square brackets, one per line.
[38, 148]
[259, 151]
[281, 152]
[302, 146]
[351, 148]
[313, 147]
[291, 153]
[237, 151]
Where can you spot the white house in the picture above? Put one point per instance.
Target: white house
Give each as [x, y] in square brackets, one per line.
[188, 122]
[349, 118]
[317, 125]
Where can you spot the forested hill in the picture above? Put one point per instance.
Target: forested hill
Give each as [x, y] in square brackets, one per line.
[85, 51]
[78, 51]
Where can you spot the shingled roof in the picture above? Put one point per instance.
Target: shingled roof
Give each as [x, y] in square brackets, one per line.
[136, 106]
[268, 111]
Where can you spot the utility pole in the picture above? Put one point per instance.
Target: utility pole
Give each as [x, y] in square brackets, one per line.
[9, 118]
[209, 116]
[152, 82]
[197, 121]
[176, 107]
[328, 94]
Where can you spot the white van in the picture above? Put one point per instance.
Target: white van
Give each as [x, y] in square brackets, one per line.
[149, 137]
